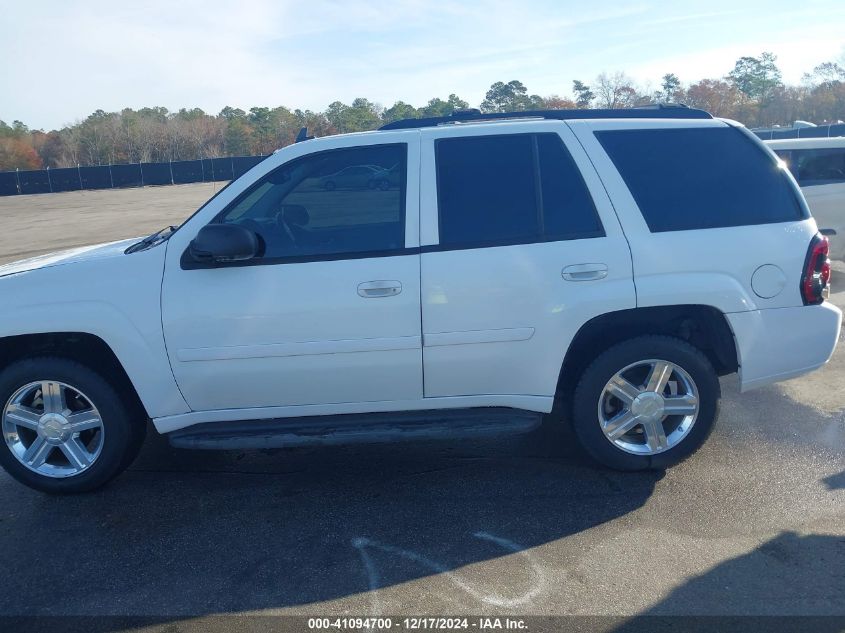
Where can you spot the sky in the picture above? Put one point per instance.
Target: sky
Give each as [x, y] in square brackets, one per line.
[66, 58]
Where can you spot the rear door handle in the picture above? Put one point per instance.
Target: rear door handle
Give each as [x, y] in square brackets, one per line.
[380, 288]
[584, 272]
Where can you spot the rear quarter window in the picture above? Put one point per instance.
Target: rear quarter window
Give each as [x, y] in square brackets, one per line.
[700, 178]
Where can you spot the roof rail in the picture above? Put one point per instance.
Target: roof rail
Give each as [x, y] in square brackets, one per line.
[656, 111]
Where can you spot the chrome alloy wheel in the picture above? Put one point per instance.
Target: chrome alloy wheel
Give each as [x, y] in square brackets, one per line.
[53, 428]
[648, 407]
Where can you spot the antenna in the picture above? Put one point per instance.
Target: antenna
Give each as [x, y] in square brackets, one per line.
[303, 135]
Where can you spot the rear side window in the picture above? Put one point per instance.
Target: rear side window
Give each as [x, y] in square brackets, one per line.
[818, 166]
[701, 178]
[486, 189]
[568, 210]
[512, 189]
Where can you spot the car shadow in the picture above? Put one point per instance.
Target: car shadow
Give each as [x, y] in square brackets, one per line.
[835, 482]
[187, 533]
[786, 565]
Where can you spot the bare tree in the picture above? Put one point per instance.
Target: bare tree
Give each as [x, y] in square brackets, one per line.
[615, 91]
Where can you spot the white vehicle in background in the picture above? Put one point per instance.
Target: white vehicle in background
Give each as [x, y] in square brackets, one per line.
[818, 165]
[613, 262]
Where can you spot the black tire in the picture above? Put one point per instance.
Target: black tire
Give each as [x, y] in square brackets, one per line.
[122, 438]
[592, 383]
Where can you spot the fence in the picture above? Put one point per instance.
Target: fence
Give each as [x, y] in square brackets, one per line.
[215, 169]
[132, 175]
[821, 131]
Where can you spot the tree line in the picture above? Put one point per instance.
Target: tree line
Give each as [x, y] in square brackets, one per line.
[752, 93]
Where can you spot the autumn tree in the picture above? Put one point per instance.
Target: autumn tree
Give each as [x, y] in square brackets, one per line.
[16, 149]
[753, 93]
[556, 102]
[718, 97]
[16, 153]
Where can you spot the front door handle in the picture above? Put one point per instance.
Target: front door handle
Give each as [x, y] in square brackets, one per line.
[584, 272]
[380, 288]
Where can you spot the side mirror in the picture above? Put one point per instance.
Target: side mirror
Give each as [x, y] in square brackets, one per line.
[222, 243]
[828, 232]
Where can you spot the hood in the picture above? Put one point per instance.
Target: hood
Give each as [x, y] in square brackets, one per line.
[80, 254]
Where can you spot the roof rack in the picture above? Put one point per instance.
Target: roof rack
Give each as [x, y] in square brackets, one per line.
[656, 111]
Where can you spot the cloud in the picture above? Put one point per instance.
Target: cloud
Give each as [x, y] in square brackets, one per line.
[76, 56]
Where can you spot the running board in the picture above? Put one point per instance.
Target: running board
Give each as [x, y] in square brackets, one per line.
[359, 428]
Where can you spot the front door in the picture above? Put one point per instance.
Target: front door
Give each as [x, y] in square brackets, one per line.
[329, 313]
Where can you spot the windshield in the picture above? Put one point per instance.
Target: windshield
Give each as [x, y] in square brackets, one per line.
[205, 204]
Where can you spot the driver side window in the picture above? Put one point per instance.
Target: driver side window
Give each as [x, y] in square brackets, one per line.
[329, 203]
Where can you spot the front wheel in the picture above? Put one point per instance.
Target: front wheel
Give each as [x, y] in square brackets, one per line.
[646, 403]
[65, 429]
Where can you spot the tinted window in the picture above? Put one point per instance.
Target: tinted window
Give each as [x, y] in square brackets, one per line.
[785, 155]
[486, 189]
[568, 209]
[818, 166]
[330, 203]
[701, 178]
[511, 189]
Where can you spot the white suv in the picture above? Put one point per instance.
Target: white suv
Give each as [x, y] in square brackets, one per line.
[613, 262]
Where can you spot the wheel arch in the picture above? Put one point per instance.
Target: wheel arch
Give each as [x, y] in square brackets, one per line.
[703, 326]
[87, 349]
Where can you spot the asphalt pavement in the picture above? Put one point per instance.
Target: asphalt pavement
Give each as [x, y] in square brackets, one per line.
[753, 524]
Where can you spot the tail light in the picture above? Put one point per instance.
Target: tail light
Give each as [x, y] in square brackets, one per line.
[816, 277]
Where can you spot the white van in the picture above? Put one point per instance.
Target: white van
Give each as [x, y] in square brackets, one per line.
[818, 165]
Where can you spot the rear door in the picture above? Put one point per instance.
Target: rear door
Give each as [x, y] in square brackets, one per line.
[520, 247]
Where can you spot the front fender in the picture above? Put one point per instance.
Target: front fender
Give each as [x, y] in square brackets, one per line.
[116, 299]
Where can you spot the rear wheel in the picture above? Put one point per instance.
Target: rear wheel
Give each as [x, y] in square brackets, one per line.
[647, 403]
[65, 429]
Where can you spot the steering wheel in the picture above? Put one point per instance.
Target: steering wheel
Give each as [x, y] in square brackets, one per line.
[284, 229]
[276, 242]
